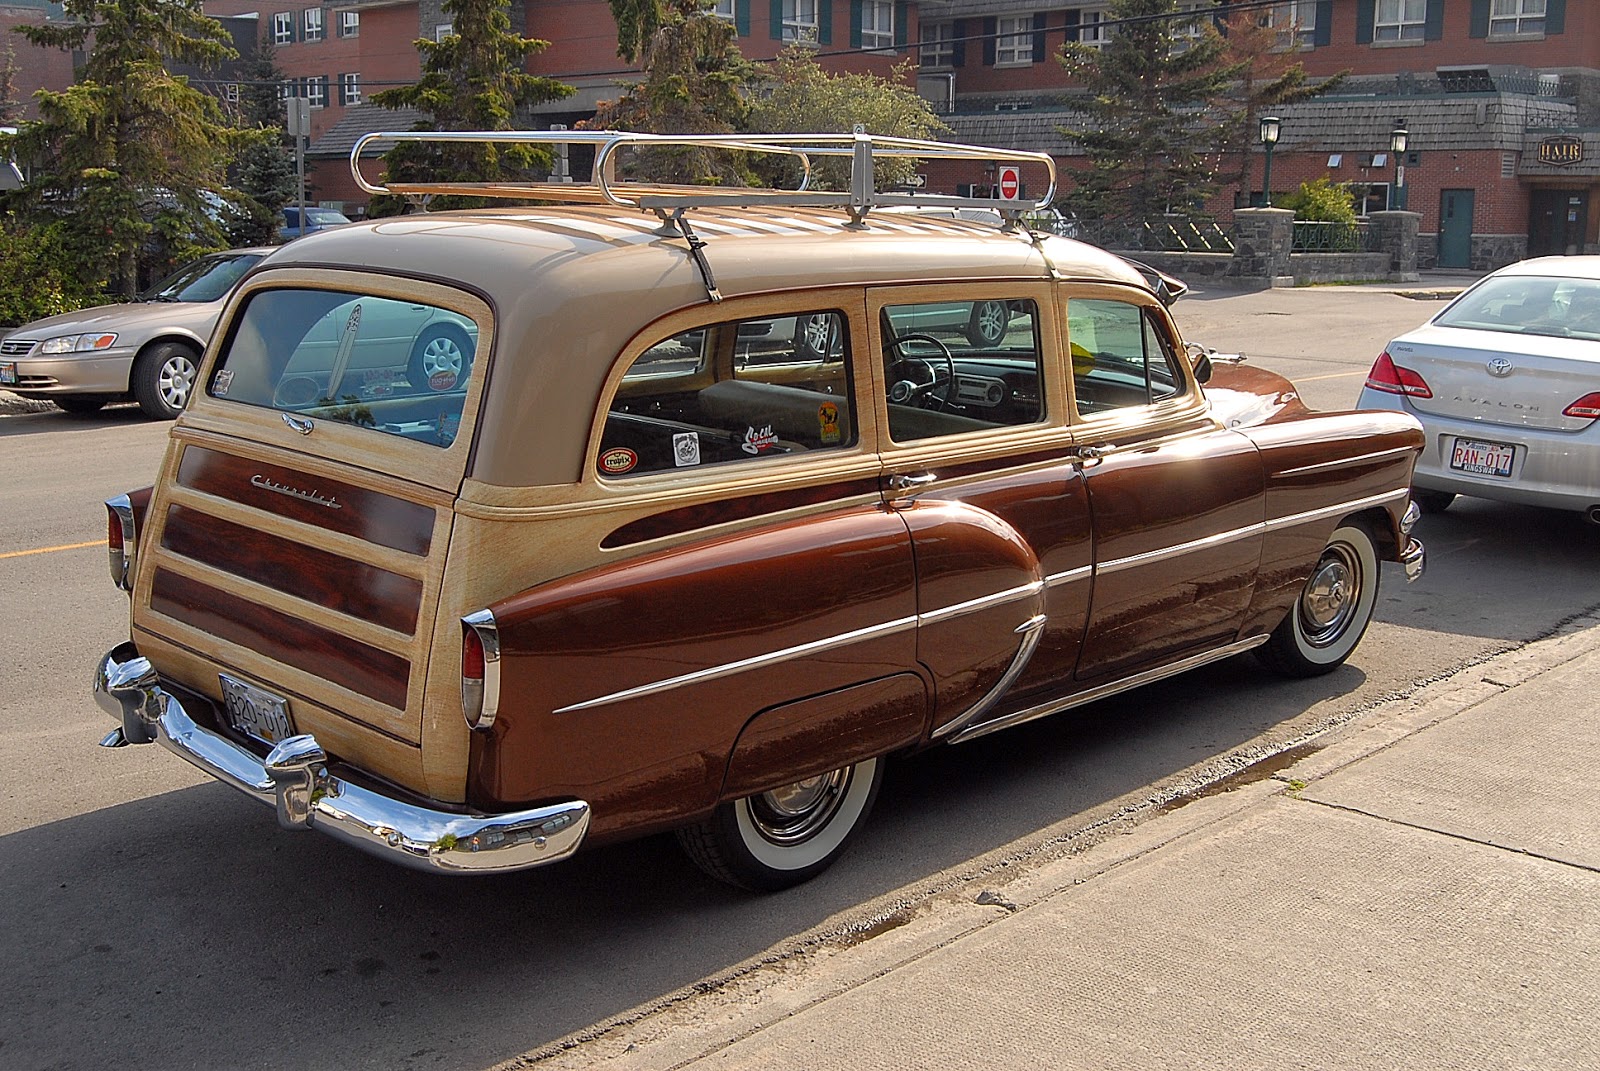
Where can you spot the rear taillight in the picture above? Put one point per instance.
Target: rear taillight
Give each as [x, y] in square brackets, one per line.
[1392, 378]
[480, 669]
[1585, 408]
[122, 540]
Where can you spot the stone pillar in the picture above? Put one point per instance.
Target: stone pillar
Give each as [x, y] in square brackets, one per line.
[1395, 233]
[1262, 238]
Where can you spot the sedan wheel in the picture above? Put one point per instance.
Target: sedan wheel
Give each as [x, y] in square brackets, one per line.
[439, 350]
[989, 322]
[780, 838]
[163, 377]
[1333, 609]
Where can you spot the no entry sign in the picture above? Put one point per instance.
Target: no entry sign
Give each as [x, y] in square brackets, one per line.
[1009, 179]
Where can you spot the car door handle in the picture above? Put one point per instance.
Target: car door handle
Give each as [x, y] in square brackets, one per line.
[1090, 455]
[902, 482]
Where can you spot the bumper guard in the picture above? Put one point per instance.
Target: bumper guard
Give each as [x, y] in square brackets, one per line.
[295, 779]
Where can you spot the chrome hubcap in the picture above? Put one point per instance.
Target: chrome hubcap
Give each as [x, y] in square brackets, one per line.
[992, 319]
[1331, 595]
[441, 355]
[794, 813]
[177, 376]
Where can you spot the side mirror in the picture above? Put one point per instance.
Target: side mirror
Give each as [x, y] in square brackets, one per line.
[1200, 361]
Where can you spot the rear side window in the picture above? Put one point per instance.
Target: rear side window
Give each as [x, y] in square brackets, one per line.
[398, 367]
[743, 390]
[1120, 357]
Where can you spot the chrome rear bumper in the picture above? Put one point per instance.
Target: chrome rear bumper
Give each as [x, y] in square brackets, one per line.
[295, 779]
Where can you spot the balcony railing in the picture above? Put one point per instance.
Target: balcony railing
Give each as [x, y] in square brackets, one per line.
[1311, 236]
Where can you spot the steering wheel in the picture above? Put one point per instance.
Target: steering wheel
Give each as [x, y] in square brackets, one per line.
[906, 389]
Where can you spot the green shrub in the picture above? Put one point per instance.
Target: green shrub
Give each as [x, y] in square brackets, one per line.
[33, 282]
[1322, 201]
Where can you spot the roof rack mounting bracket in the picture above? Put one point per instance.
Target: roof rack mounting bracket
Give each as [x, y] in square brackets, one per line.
[697, 248]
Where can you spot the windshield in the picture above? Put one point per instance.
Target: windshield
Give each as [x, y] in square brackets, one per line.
[206, 279]
[1529, 305]
[399, 367]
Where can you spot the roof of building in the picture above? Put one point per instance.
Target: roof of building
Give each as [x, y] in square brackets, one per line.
[358, 121]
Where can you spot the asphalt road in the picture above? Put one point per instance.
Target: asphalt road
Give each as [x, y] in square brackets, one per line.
[157, 920]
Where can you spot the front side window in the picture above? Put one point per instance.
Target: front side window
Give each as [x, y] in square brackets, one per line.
[1120, 357]
[1511, 17]
[801, 21]
[938, 44]
[398, 367]
[313, 22]
[1400, 20]
[877, 24]
[953, 367]
[744, 390]
[283, 28]
[1014, 45]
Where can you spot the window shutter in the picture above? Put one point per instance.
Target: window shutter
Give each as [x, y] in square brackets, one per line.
[855, 23]
[1478, 19]
[1322, 36]
[1366, 14]
[1433, 25]
[741, 17]
[990, 26]
[1555, 17]
[776, 16]
[958, 47]
[825, 22]
[901, 16]
[1073, 18]
[1038, 37]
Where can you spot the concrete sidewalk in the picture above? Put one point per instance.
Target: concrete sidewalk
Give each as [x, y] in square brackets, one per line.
[1420, 890]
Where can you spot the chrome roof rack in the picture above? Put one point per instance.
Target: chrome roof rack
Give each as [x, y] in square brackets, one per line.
[670, 201]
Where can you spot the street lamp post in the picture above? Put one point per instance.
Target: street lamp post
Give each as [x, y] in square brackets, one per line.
[1397, 145]
[1270, 126]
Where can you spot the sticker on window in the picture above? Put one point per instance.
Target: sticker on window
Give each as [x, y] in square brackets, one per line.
[221, 384]
[616, 461]
[441, 381]
[686, 449]
[757, 440]
[828, 423]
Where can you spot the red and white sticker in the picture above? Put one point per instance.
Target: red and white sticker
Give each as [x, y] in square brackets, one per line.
[616, 461]
[757, 440]
[441, 381]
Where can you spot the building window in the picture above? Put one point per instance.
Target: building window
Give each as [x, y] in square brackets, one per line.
[313, 23]
[1400, 20]
[1296, 23]
[350, 89]
[283, 28]
[316, 91]
[443, 30]
[877, 24]
[938, 44]
[1013, 44]
[230, 92]
[349, 24]
[1092, 28]
[801, 21]
[724, 9]
[1508, 18]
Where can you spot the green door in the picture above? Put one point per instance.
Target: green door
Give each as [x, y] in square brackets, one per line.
[1455, 228]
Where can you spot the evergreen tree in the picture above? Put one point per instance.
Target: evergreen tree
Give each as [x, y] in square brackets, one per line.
[696, 82]
[10, 106]
[1151, 98]
[474, 79]
[637, 22]
[265, 173]
[129, 148]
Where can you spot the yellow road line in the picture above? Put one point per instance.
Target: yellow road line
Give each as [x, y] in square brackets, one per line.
[51, 550]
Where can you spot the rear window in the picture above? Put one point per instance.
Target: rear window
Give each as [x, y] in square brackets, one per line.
[1529, 305]
[398, 367]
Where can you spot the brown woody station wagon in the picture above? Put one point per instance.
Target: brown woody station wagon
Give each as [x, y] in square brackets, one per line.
[492, 534]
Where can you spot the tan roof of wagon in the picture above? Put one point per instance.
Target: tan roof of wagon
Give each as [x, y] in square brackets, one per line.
[572, 285]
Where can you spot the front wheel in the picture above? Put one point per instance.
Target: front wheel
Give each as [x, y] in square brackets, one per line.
[162, 379]
[1332, 611]
[989, 323]
[776, 839]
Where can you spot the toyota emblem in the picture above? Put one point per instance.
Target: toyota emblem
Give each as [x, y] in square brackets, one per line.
[1499, 367]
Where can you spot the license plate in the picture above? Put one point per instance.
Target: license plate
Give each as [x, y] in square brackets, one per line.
[1482, 458]
[8, 372]
[256, 712]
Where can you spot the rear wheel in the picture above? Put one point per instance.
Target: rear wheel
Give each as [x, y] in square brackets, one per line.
[1332, 611]
[776, 839]
[989, 322]
[162, 378]
[440, 350]
[1432, 501]
[80, 403]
